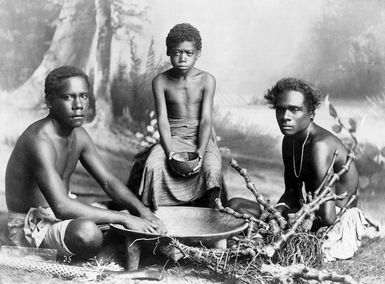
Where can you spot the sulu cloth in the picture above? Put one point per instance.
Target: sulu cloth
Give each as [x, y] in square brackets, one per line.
[345, 237]
[159, 186]
[36, 228]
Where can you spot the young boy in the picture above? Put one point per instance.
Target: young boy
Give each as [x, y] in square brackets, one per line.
[307, 151]
[184, 103]
[38, 172]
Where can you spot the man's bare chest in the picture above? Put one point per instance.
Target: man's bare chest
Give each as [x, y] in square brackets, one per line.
[67, 157]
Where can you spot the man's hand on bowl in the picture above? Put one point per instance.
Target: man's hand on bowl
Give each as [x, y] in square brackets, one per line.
[156, 223]
[139, 224]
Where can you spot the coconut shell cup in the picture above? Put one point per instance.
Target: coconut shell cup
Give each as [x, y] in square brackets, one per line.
[183, 163]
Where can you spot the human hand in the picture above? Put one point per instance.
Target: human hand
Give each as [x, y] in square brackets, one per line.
[139, 224]
[198, 166]
[291, 218]
[170, 154]
[321, 231]
[155, 222]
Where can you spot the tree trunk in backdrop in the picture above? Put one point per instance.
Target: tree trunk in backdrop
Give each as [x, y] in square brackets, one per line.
[102, 63]
[70, 45]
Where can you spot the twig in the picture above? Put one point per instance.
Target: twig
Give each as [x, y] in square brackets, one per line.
[261, 200]
[306, 273]
[238, 215]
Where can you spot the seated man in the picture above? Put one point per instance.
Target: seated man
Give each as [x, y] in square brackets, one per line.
[307, 151]
[184, 102]
[38, 172]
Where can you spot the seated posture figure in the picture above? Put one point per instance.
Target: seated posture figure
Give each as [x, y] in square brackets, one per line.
[41, 214]
[307, 151]
[184, 104]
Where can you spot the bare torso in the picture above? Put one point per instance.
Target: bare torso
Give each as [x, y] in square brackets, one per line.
[22, 191]
[312, 164]
[184, 96]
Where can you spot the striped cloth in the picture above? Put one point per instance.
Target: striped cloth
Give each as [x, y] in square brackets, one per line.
[160, 187]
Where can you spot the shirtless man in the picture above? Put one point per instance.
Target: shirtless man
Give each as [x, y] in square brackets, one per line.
[307, 148]
[184, 104]
[40, 167]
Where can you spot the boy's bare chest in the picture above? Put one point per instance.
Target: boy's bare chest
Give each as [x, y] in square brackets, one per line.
[189, 92]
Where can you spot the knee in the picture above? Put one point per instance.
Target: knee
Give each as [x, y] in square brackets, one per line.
[328, 220]
[83, 237]
[243, 206]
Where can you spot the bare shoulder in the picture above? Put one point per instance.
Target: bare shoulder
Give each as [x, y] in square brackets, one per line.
[35, 142]
[36, 133]
[325, 143]
[84, 141]
[206, 76]
[82, 135]
[162, 77]
[207, 80]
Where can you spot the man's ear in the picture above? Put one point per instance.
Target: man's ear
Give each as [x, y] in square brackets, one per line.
[198, 53]
[312, 115]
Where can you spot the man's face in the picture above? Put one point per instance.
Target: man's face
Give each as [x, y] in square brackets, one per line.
[291, 113]
[184, 55]
[70, 102]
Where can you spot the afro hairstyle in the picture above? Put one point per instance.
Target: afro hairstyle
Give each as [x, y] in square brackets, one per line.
[53, 79]
[312, 96]
[180, 33]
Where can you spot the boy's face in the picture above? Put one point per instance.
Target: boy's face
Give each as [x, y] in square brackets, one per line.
[291, 112]
[69, 104]
[184, 55]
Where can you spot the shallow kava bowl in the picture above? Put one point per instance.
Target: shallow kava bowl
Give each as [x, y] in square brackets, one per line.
[184, 162]
[192, 224]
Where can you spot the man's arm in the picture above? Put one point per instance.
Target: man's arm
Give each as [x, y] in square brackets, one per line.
[115, 189]
[161, 112]
[43, 156]
[289, 201]
[320, 161]
[205, 125]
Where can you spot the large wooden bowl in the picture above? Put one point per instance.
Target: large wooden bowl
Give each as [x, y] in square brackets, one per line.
[192, 224]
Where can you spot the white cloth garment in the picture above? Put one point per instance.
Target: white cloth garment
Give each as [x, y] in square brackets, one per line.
[345, 238]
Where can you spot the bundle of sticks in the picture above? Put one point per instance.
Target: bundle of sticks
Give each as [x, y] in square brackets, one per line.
[274, 249]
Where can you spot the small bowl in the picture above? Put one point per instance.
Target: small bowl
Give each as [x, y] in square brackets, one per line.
[183, 163]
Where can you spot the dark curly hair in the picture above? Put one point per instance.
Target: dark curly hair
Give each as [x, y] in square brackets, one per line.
[57, 75]
[180, 33]
[312, 96]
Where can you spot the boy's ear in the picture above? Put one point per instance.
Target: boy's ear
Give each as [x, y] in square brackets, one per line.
[198, 53]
